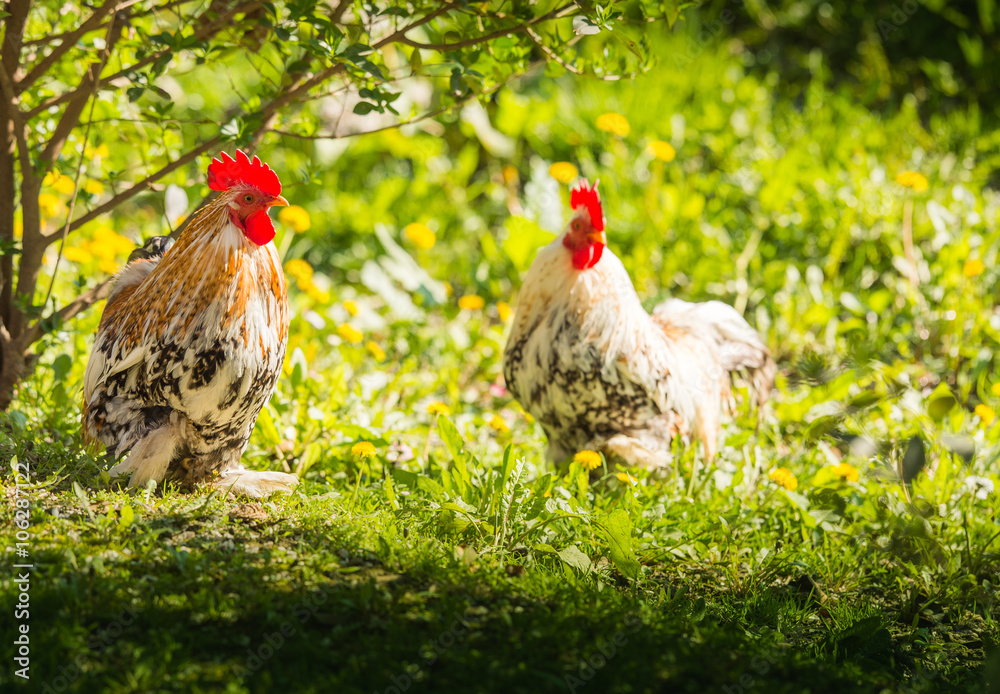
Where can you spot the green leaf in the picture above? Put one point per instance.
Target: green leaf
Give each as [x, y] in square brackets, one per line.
[267, 428]
[914, 460]
[127, 516]
[863, 400]
[821, 426]
[390, 493]
[940, 402]
[574, 557]
[456, 446]
[617, 527]
[309, 457]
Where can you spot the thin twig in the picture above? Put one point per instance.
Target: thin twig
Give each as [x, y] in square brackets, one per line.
[79, 166]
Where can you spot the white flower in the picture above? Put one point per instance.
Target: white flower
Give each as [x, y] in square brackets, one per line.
[981, 487]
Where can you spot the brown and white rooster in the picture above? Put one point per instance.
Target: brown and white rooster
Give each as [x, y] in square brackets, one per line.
[599, 373]
[192, 341]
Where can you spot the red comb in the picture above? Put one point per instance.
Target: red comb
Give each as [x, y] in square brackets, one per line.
[583, 194]
[225, 172]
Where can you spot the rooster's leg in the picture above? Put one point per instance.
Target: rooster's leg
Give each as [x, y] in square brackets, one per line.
[150, 458]
[633, 452]
[255, 483]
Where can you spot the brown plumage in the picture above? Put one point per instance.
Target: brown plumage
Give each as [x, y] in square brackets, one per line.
[192, 340]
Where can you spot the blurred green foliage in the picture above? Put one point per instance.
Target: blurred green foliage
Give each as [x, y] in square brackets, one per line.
[945, 53]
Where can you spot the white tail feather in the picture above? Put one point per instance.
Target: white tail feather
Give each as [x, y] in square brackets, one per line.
[150, 457]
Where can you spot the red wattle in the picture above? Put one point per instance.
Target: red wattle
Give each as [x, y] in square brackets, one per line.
[587, 256]
[259, 228]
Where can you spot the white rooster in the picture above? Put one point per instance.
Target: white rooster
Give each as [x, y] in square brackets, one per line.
[600, 373]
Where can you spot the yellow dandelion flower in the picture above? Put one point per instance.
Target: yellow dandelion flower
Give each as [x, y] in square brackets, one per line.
[510, 175]
[295, 217]
[111, 242]
[973, 267]
[363, 449]
[376, 351]
[99, 151]
[499, 425]
[986, 413]
[783, 477]
[438, 407]
[350, 307]
[471, 302]
[50, 206]
[664, 151]
[350, 334]
[316, 294]
[504, 311]
[93, 187]
[589, 460]
[912, 179]
[846, 472]
[996, 388]
[627, 478]
[614, 123]
[61, 183]
[299, 270]
[563, 171]
[75, 254]
[420, 235]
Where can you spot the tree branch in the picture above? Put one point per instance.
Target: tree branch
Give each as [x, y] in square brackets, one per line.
[80, 303]
[338, 12]
[514, 29]
[12, 138]
[46, 40]
[205, 32]
[499, 33]
[92, 23]
[13, 35]
[145, 183]
[109, 40]
[16, 123]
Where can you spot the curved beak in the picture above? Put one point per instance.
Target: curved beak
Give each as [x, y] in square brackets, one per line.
[597, 237]
[278, 202]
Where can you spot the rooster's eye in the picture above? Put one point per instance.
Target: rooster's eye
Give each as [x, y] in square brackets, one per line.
[248, 198]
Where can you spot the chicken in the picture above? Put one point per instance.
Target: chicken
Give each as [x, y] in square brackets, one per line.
[192, 340]
[600, 373]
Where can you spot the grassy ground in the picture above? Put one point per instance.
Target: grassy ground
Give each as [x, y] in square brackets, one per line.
[455, 559]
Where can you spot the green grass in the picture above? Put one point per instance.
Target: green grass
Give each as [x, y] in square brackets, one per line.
[457, 559]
